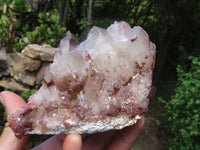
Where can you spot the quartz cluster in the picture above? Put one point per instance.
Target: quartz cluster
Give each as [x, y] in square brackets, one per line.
[101, 84]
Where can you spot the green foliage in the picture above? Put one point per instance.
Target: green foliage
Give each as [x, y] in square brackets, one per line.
[7, 89]
[105, 22]
[82, 24]
[49, 31]
[26, 95]
[6, 30]
[20, 6]
[11, 21]
[4, 25]
[15, 33]
[51, 16]
[47, 34]
[183, 110]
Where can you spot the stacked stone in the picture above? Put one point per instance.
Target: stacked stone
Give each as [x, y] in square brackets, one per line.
[25, 70]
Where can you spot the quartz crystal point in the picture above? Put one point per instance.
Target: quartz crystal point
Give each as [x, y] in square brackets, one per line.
[99, 85]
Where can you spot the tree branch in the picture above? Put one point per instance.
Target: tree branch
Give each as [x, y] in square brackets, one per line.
[89, 19]
[65, 14]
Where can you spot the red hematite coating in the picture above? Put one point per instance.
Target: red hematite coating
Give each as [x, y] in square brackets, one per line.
[99, 85]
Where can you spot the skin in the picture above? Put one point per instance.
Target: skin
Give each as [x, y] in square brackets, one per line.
[111, 140]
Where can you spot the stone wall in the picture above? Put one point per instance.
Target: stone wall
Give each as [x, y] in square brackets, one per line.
[24, 71]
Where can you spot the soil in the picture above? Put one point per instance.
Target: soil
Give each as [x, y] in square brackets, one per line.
[152, 136]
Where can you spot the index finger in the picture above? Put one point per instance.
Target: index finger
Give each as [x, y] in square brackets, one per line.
[127, 136]
[11, 101]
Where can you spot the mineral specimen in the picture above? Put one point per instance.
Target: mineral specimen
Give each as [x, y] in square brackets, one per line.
[99, 85]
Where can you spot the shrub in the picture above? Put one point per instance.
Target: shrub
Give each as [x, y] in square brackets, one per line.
[183, 111]
[49, 31]
[21, 25]
[11, 20]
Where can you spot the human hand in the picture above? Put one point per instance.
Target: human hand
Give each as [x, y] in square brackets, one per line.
[111, 140]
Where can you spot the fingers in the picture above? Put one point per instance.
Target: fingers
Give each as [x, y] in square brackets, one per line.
[127, 136]
[72, 142]
[12, 102]
[98, 141]
[55, 142]
[61, 142]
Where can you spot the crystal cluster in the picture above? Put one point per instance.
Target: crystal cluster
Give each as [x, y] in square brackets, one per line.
[101, 84]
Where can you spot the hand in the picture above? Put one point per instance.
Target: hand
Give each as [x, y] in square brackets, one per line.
[111, 140]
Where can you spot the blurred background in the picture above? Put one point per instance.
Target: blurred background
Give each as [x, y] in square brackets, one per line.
[173, 118]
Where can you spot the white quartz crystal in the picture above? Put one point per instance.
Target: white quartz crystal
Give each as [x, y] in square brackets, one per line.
[99, 85]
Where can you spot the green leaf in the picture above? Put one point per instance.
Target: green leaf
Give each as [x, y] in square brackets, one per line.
[183, 110]
[26, 95]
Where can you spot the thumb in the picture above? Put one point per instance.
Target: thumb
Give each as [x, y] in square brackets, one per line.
[72, 142]
[11, 102]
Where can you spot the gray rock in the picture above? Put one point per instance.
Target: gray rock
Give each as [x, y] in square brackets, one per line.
[4, 73]
[31, 64]
[16, 62]
[43, 52]
[3, 64]
[10, 83]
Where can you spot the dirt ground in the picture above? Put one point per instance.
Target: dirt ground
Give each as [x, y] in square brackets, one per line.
[152, 136]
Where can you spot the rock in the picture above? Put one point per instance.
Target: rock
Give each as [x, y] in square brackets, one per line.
[31, 64]
[73, 40]
[16, 65]
[99, 85]
[10, 83]
[43, 52]
[3, 64]
[40, 74]
[4, 73]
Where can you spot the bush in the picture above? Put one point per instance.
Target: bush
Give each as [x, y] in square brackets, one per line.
[49, 31]
[13, 12]
[21, 25]
[183, 111]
